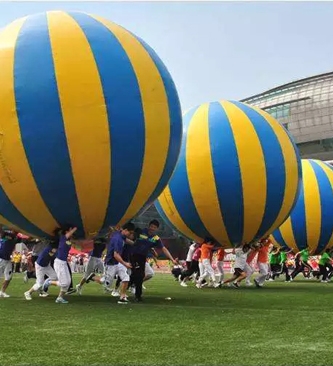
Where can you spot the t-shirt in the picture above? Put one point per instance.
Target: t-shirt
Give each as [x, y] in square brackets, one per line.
[263, 253]
[274, 258]
[251, 256]
[116, 244]
[324, 259]
[304, 254]
[196, 254]
[241, 257]
[6, 248]
[283, 257]
[220, 254]
[145, 242]
[99, 247]
[190, 252]
[63, 248]
[45, 256]
[206, 250]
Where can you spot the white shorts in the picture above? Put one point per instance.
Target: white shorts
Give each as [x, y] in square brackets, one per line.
[41, 272]
[5, 269]
[149, 272]
[117, 269]
[62, 271]
[93, 265]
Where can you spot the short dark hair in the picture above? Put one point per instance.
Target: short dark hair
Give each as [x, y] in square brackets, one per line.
[154, 222]
[129, 226]
[208, 239]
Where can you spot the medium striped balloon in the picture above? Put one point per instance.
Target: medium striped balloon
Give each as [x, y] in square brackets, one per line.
[237, 177]
[311, 221]
[91, 123]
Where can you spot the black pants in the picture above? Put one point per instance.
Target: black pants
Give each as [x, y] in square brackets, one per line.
[323, 272]
[300, 268]
[138, 262]
[275, 270]
[193, 268]
[285, 271]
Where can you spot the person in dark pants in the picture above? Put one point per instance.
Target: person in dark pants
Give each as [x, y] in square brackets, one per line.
[283, 263]
[301, 261]
[144, 243]
[325, 259]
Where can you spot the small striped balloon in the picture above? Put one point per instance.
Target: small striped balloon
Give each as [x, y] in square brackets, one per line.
[90, 123]
[311, 221]
[237, 177]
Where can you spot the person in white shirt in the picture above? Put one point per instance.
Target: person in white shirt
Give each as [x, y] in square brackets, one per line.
[239, 266]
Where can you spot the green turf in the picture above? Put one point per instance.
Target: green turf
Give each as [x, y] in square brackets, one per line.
[281, 324]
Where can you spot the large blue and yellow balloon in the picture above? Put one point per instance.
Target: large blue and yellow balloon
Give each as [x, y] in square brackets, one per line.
[237, 177]
[90, 123]
[311, 221]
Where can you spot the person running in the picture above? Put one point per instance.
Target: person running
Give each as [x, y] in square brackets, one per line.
[43, 268]
[249, 268]
[61, 266]
[206, 255]
[301, 262]
[194, 267]
[7, 246]
[241, 254]
[220, 254]
[324, 260]
[189, 255]
[274, 263]
[262, 261]
[283, 263]
[94, 264]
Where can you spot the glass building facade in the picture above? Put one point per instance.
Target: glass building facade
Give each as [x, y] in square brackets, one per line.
[305, 108]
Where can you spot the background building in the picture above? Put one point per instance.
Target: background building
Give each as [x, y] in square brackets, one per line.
[305, 108]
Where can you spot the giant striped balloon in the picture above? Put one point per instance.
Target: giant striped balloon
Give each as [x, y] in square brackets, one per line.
[311, 221]
[237, 177]
[90, 122]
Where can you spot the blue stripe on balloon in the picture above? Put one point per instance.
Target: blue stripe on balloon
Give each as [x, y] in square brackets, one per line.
[326, 203]
[125, 112]
[41, 124]
[175, 114]
[225, 165]
[274, 164]
[182, 198]
[298, 220]
[279, 239]
[13, 215]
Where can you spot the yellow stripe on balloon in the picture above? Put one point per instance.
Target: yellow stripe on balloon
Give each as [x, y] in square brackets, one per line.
[7, 223]
[154, 103]
[253, 171]
[171, 212]
[291, 167]
[78, 84]
[287, 234]
[198, 160]
[312, 205]
[15, 171]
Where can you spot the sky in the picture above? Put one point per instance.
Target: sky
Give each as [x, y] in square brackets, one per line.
[218, 50]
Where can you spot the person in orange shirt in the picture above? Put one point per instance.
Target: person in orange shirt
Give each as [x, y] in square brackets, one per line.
[264, 247]
[220, 254]
[248, 267]
[206, 254]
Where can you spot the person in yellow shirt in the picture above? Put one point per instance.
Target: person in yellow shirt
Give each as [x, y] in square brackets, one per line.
[17, 262]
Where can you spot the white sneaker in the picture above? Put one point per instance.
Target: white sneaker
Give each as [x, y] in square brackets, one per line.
[79, 289]
[144, 287]
[216, 285]
[115, 293]
[27, 295]
[44, 294]
[3, 294]
[183, 284]
[198, 285]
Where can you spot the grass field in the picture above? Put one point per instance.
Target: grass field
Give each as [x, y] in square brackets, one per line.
[281, 324]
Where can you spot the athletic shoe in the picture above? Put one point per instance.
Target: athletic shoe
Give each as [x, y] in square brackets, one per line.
[27, 295]
[216, 285]
[78, 289]
[46, 285]
[124, 300]
[235, 284]
[115, 293]
[256, 283]
[71, 291]
[3, 294]
[61, 300]
[249, 284]
[107, 290]
[204, 284]
[25, 278]
[198, 285]
[90, 277]
[183, 284]
[143, 287]
[323, 281]
[43, 294]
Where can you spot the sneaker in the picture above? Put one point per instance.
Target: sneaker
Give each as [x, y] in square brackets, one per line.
[323, 281]
[46, 285]
[249, 284]
[3, 294]
[204, 284]
[256, 283]
[144, 287]
[25, 278]
[90, 277]
[27, 295]
[124, 300]
[183, 284]
[216, 285]
[198, 285]
[71, 291]
[43, 294]
[61, 300]
[115, 293]
[235, 284]
[107, 289]
[78, 289]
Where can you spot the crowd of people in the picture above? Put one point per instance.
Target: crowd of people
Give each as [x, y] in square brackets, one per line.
[121, 262]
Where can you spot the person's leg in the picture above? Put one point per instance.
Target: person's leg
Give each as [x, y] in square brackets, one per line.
[7, 273]
[263, 271]
[138, 264]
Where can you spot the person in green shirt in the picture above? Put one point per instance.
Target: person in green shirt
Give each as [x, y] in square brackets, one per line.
[283, 263]
[301, 261]
[324, 261]
[274, 263]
